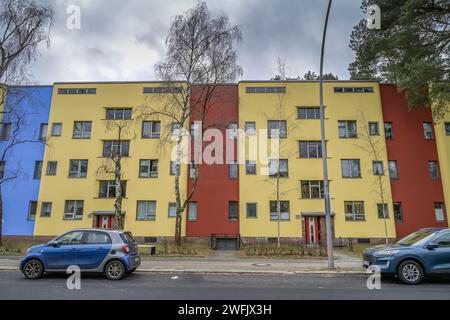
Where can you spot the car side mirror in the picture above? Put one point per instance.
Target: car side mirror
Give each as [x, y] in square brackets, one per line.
[432, 245]
[53, 243]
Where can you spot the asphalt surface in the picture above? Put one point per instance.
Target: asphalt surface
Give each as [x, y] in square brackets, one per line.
[215, 287]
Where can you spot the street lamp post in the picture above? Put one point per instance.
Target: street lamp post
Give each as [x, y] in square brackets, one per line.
[324, 151]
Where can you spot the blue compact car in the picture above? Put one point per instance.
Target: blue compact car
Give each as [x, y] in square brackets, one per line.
[114, 253]
[422, 253]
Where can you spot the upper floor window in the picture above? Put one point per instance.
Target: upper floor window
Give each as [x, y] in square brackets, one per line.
[163, 89]
[374, 129]
[77, 91]
[37, 170]
[108, 189]
[308, 112]
[233, 130]
[434, 170]
[78, 168]
[284, 210]
[250, 128]
[310, 149]
[250, 167]
[5, 131]
[378, 168]
[233, 210]
[56, 129]
[146, 210]
[173, 168]
[148, 169]
[82, 129]
[354, 211]
[192, 211]
[347, 129]
[43, 132]
[447, 128]
[398, 212]
[73, 209]
[278, 168]
[118, 113]
[112, 148]
[52, 168]
[251, 210]
[383, 211]
[439, 211]
[46, 209]
[351, 168]
[277, 129]
[353, 89]
[312, 189]
[32, 209]
[2, 169]
[393, 172]
[428, 130]
[388, 132]
[151, 129]
[265, 89]
[233, 169]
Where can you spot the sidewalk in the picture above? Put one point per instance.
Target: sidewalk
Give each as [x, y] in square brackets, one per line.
[223, 263]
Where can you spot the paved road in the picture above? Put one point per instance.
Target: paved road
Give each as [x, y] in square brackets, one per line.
[165, 286]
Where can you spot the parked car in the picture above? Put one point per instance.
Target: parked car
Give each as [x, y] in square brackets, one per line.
[422, 253]
[114, 253]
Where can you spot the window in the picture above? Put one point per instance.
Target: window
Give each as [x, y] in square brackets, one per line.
[71, 238]
[393, 173]
[428, 130]
[374, 129]
[383, 211]
[173, 168]
[5, 131]
[37, 170]
[312, 189]
[251, 210]
[73, 210]
[108, 189]
[233, 170]
[2, 169]
[353, 89]
[56, 129]
[51, 168]
[77, 91]
[351, 168]
[82, 129]
[195, 130]
[163, 90]
[354, 211]
[148, 169]
[447, 128]
[193, 170]
[250, 167]
[146, 210]
[43, 132]
[439, 211]
[443, 241]
[93, 237]
[78, 168]
[118, 114]
[398, 212]
[233, 130]
[265, 89]
[278, 167]
[377, 168]
[250, 128]
[310, 149]
[347, 129]
[284, 210]
[151, 129]
[32, 209]
[433, 169]
[277, 129]
[176, 129]
[172, 211]
[46, 209]
[308, 112]
[388, 132]
[113, 147]
[233, 210]
[192, 211]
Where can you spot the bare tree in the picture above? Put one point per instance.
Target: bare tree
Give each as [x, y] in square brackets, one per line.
[111, 165]
[23, 26]
[200, 51]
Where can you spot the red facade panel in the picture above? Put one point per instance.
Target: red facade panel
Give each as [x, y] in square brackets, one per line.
[414, 188]
[215, 190]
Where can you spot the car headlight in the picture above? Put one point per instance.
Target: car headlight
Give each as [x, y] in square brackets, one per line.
[29, 249]
[386, 253]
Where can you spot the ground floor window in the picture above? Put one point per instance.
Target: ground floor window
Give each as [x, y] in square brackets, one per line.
[398, 212]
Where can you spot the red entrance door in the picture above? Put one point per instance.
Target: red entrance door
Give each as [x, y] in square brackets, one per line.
[104, 222]
[312, 230]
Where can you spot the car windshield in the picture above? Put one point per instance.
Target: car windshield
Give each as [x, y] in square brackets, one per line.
[416, 238]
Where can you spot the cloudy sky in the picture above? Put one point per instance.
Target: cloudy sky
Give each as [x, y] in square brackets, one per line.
[122, 40]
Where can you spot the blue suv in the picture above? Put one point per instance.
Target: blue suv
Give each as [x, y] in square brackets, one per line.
[421, 253]
[111, 252]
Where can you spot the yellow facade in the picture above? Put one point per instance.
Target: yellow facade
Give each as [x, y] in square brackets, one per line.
[443, 147]
[68, 108]
[259, 189]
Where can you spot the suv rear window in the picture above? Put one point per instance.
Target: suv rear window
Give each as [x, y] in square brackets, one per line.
[127, 237]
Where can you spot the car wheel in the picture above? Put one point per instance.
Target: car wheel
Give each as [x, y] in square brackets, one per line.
[115, 270]
[410, 272]
[33, 269]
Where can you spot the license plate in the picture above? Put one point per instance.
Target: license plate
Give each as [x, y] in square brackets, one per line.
[366, 263]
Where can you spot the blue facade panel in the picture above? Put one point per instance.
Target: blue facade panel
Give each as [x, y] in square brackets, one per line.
[34, 103]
